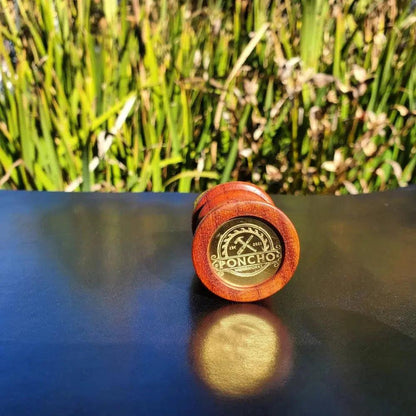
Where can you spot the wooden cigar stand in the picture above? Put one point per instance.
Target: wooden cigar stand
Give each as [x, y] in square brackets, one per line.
[244, 248]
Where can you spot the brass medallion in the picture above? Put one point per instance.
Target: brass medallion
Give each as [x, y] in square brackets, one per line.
[245, 251]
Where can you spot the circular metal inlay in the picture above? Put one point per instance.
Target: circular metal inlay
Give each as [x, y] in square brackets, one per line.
[245, 251]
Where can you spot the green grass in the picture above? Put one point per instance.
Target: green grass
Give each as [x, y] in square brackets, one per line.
[299, 97]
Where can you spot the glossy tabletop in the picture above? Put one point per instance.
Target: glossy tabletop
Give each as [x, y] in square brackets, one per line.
[101, 313]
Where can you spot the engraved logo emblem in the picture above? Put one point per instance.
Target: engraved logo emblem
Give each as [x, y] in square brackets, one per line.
[245, 251]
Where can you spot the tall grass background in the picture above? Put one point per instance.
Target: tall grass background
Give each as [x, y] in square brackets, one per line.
[113, 95]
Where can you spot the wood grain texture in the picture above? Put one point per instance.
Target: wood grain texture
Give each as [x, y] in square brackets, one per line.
[238, 205]
[226, 192]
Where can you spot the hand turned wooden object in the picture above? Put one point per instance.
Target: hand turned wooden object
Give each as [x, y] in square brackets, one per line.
[244, 248]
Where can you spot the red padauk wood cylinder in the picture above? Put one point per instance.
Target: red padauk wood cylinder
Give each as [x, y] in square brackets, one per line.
[244, 248]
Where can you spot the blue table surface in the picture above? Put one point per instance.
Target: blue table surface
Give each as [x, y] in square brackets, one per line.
[101, 312]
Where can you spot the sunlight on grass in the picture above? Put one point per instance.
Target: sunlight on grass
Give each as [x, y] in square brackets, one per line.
[299, 97]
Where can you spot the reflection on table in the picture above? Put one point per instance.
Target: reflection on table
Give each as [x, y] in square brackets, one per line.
[241, 350]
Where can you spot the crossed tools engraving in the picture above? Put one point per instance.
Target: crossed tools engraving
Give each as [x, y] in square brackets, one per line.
[244, 244]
